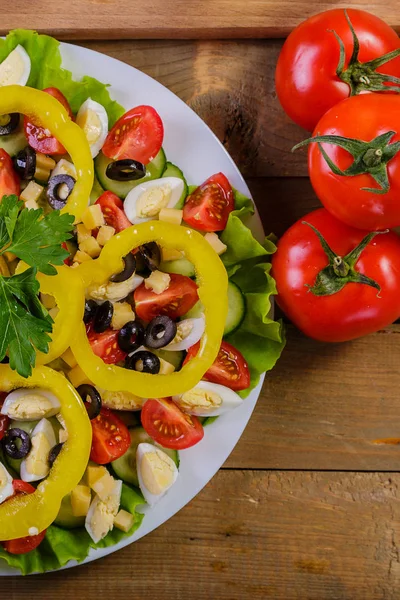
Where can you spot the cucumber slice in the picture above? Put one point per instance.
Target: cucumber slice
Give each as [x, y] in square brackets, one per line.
[96, 192]
[195, 312]
[175, 358]
[66, 518]
[181, 266]
[154, 170]
[236, 308]
[15, 142]
[125, 467]
[172, 170]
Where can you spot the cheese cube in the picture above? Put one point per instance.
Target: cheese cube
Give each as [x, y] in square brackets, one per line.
[81, 257]
[77, 376]
[124, 521]
[80, 500]
[82, 232]
[165, 367]
[62, 435]
[105, 234]
[32, 191]
[48, 301]
[171, 215]
[91, 246]
[215, 243]
[31, 205]
[53, 312]
[45, 162]
[64, 167]
[69, 358]
[122, 314]
[170, 254]
[104, 486]
[158, 282]
[93, 217]
[93, 473]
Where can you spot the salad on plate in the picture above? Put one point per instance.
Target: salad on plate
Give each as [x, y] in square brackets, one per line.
[135, 308]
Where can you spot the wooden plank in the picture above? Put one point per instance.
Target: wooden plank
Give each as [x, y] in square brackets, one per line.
[118, 19]
[254, 535]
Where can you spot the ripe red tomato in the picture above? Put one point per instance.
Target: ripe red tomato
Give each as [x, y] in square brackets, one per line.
[306, 81]
[357, 308]
[138, 135]
[25, 544]
[170, 427]
[179, 297]
[112, 208]
[9, 180]
[363, 117]
[111, 438]
[229, 368]
[39, 138]
[4, 423]
[209, 206]
[106, 346]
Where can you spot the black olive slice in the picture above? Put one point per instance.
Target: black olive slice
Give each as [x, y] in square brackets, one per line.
[144, 362]
[131, 336]
[25, 163]
[91, 307]
[103, 317]
[150, 255]
[125, 170]
[160, 332]
[128, 270]
[16, 443]
[91, 399]
[9, 123]
[54, 188]
[54, 452]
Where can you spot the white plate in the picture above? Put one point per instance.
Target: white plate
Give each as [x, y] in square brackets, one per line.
[190, 144]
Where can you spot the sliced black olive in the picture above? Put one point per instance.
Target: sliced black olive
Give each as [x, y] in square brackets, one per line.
[103, 317]
[148, 257]
[9, 123]
[160, 332]
[128, 270]
[54, 452]
[16, 443]
[131, 336]
[25, 163]
[91, 307]
[54, 188]
[144, 362]
[125, 170]
[91, 399]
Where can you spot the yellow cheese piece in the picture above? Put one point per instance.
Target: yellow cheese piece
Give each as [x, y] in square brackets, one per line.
[48, 301]
[122, 314]
[53, 312]
[69, 358]
[170, 254]
[165, 367]
[104, 486]
[82, 232]
[158, 282]
[215, 243]
[94, 473]
[32, 191]
[81, 257]
[31, 205]
[124, 521]
[80, 500]
[105, 234]
[171, 215]
[93, 217]
[77, 376]
[91, 246]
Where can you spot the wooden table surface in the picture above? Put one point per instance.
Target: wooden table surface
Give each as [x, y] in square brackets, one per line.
[308, 505]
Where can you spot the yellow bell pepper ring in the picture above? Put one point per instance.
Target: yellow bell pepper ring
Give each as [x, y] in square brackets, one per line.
[37, 511]
[213, 284]
[46, 111]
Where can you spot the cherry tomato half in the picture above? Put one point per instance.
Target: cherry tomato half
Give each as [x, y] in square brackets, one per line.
[106, 346]
[4, 423]
[170, 427]
[112, 208]
[29, 543]
[39, 138]
[179, 297]
[138, 135]
[229, 368]
[9, 180]
[111, 437]
[209, 206]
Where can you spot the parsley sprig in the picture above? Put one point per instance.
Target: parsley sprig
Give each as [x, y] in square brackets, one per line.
[25, 324]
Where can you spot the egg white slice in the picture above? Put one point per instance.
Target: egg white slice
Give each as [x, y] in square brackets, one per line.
[156, 471]
[15, 69]
[208, 399]
[144, 202]
[28, 404]
[92, 118]
[188, 333]
[6, 486]
[36, 465]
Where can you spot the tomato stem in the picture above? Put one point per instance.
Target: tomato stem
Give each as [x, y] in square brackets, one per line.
[341, 270]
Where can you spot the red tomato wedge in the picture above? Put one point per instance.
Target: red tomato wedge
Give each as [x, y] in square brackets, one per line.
[164, 421]
[9, 180]
[29, 543]
[106, 346]
[138, 135]
[39, 138]
[4, 423]
[112, 208]
[209, 206]
[111, 437]
[179, 297]
[229, 368]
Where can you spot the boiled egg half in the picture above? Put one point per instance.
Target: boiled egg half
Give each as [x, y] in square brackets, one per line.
[144, 202]
[208, 399]
[188, 333]
[36, 465]
[15, 69]
[92, 118]
[29, 404]
[156, 471]
[6, 486]
[101, 514]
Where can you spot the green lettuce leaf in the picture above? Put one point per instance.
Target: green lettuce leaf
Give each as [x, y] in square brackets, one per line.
[46, 71]
[62, 545]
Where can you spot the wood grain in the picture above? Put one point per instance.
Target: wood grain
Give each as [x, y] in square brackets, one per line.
[252, 535]
[117, 19]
